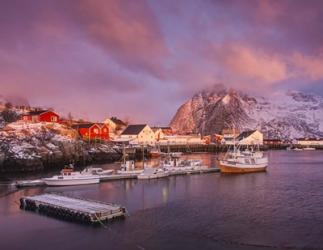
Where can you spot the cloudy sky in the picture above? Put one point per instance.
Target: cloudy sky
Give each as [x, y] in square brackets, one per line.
[142, 59]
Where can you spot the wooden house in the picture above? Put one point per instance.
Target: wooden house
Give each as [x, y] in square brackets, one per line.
[139, 134]
[41, 116]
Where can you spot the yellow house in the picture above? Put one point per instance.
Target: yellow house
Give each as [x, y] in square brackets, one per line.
[139, 134]
[251, 137]
[116, 126]
[159, 134]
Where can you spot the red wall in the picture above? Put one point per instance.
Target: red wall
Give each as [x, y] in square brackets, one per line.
[105, 132]
[48, 116]
[45, 117]
[91, 132]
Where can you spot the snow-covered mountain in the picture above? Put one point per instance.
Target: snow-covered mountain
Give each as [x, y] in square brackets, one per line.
[280, 115]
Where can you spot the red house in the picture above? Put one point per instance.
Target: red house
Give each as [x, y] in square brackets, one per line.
[41, 116]
[91, 131]
[104, 131]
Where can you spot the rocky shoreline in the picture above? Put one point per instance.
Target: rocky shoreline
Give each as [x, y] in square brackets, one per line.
[45, 147]
[11, 165]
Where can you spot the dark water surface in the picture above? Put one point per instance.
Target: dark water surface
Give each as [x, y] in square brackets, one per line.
[282, 208]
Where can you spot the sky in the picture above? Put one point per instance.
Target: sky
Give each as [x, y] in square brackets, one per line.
[139, 60]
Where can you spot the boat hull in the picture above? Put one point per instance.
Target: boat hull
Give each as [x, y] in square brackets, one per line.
[71, 182]
[130, 172]
[154, 154]
[152, 176]
[240, 169]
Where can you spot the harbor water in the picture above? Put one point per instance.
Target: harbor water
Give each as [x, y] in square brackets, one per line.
[280, 208]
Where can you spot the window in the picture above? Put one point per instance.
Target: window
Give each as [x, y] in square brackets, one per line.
[104, 130]
[95, 131]
[53, 118]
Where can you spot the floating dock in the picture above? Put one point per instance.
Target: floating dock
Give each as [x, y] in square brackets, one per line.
[72, 209]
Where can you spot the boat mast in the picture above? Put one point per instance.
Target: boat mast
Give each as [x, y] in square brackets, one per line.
[143, 155]
[124, 153]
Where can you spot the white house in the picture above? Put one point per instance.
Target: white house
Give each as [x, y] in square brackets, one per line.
[251, 137]
[138, 134]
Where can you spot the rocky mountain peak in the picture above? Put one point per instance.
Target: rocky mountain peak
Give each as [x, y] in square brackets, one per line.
[284, 115]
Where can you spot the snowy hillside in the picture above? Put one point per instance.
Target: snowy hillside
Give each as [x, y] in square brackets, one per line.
[281, 115]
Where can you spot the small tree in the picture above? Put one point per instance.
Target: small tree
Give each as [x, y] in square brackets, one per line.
[8, 105]
[9, 115]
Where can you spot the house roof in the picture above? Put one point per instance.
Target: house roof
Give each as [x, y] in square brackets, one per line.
[134, 129]
[84, 125]
[245, 134]
[155, 129]
[118, 121]
[38, 112]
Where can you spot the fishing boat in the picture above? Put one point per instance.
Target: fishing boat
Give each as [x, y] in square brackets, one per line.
[236, 161]
[248, 161]
[153, 173]
[309, 149]
[96, 171]
[29, 183]
[175, 154]
[297, 149]
[69, 177]
[128, 167]
[176, 165]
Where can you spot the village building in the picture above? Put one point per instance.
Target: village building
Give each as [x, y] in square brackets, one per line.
[116, 126]
[228, 136]
[310, 141]
[167, 130]
[251, 137]
[159, 134]
[104, 129]
[92, 131]
[273, 142]
[182, 140]
[41, 116]
[138, 134]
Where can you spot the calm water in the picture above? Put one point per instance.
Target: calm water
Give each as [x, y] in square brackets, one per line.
[282, 208]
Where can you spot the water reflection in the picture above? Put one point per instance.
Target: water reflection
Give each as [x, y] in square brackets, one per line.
[280, 208]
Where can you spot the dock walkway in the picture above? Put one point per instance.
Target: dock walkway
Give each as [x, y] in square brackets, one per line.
[72, 209]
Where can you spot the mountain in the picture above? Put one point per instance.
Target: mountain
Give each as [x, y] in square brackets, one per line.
[287, 115]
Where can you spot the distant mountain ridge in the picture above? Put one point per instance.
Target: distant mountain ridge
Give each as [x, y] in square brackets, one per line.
[288, 115]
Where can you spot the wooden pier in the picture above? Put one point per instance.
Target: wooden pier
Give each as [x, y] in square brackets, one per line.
[72, 209]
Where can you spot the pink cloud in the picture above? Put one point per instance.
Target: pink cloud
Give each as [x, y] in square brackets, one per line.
[250, 64]
[308, 66]
[127, 30]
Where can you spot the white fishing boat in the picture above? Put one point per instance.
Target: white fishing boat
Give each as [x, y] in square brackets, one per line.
[243, 162]
[175, 165]
[68, 177]
[96, 171]
[175, 154]
[298, 149]
[237, 161]
[309, 149]
[153, 173]
[128, 167]
[29, 183]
